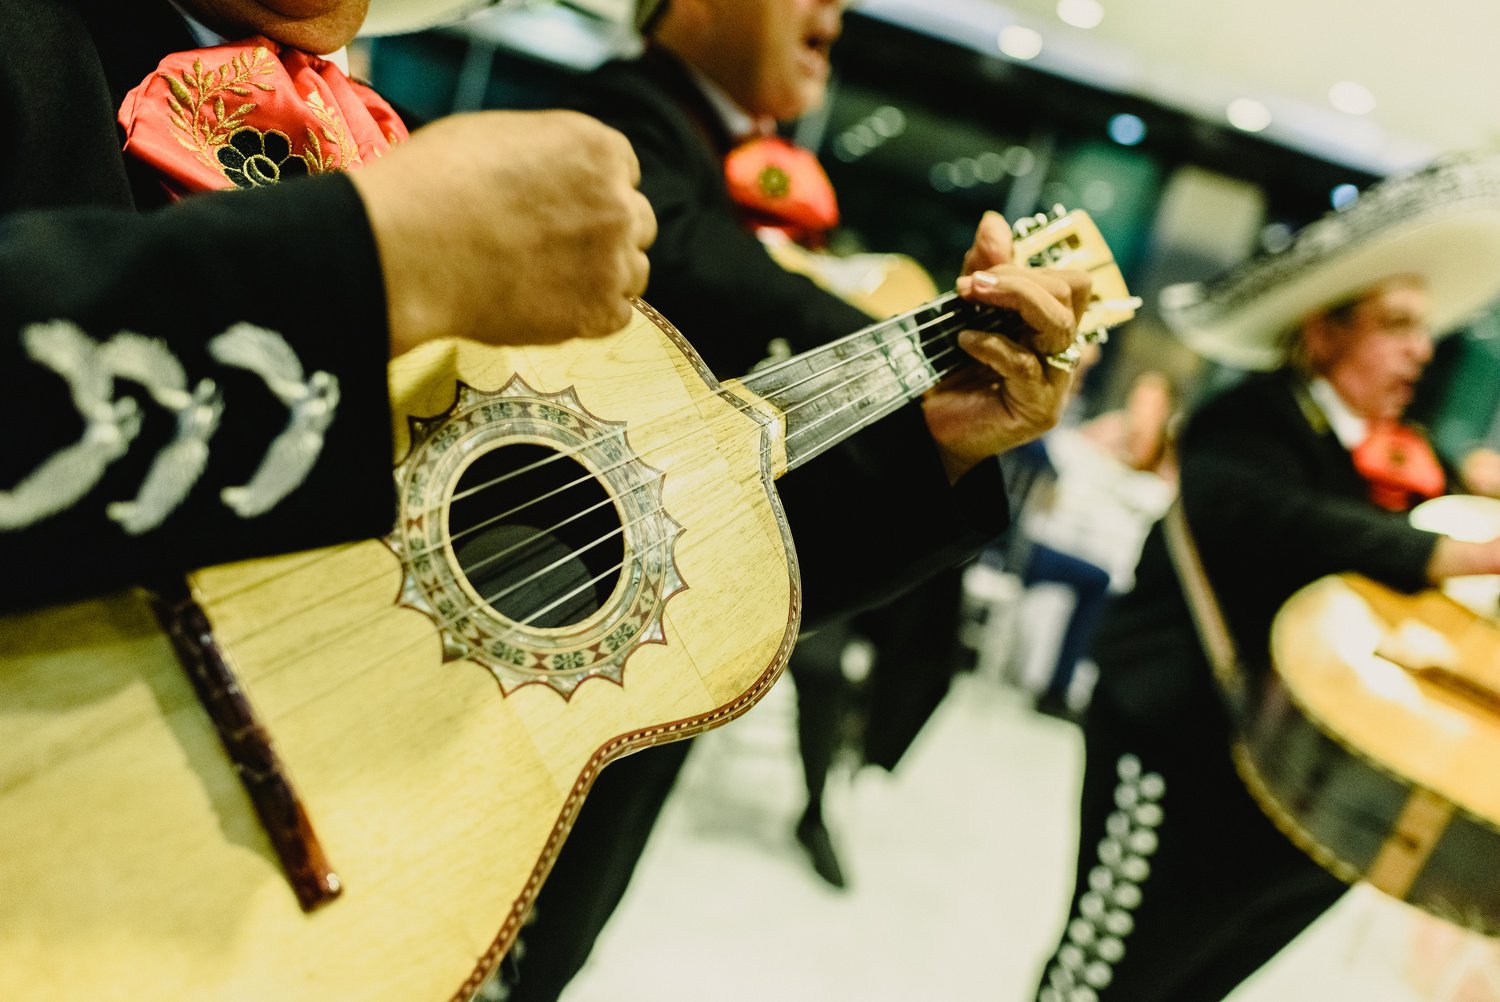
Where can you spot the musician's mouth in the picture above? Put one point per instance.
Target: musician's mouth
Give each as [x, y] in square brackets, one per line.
[817, 47]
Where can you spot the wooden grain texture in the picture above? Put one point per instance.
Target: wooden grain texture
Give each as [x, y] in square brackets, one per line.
[131, 864]
[1325, 644]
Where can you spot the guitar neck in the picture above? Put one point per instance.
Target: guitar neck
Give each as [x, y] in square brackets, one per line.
[827, 394]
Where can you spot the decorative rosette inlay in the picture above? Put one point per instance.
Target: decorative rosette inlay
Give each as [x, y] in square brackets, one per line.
[534, 537]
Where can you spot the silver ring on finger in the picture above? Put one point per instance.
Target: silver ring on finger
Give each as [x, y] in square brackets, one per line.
[1067, 360]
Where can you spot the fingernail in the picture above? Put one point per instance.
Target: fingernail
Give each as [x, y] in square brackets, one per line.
[984, 279]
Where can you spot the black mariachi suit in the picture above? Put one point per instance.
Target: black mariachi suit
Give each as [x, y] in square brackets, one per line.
[714, 280]
[76, 245]
[1184, 887]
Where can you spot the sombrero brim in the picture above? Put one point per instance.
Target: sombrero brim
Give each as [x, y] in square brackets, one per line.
[398, 17]
[1441, 224]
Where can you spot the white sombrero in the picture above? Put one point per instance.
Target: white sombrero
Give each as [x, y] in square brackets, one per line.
[1440, 223]
[395, 17]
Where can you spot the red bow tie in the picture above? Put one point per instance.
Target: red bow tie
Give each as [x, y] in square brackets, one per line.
[781, 186]
[250, 114]
[1400, 465]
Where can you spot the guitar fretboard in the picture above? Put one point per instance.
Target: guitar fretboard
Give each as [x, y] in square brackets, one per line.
[829, 393]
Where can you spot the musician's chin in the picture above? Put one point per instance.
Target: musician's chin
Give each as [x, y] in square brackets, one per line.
[813, 62]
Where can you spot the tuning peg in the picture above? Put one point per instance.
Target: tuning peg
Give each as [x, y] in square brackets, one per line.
[1028, 225]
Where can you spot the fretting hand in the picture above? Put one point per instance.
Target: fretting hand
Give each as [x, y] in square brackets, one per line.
[1012, 395]
[508, 227]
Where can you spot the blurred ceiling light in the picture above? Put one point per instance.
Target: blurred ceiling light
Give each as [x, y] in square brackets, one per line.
[1343, 195]
[1019, 161]
[1080, 13]
[1020, 42]
[1248, 114]
[1351, 98]
[991, 166]
[888, 121]
[1127, 129]
[1099, 196]
[1276, 237]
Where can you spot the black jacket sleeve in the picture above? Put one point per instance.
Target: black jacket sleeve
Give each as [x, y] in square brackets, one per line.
[1276, 505]
[298, 262]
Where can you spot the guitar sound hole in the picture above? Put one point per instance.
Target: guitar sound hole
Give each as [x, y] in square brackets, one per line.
[539, 537]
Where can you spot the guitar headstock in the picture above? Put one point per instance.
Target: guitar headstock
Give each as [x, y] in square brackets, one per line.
[1069, 239]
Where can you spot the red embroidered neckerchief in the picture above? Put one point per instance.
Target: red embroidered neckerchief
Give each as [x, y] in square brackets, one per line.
[1400, 465]
[250, 114]
[781, 186]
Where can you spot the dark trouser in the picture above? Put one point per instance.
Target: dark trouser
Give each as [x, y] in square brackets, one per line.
[1184, 888]
[597, 861]
[1090, 585]
[592, 871]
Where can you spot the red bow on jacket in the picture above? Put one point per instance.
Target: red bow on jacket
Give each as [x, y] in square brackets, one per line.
[781, 186]
[1400, 465]
[251, 114]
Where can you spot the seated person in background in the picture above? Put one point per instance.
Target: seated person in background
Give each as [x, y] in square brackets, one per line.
[1139, 434]
[1184, 887]
[1115, 475]
[502, 227]
[716, 72]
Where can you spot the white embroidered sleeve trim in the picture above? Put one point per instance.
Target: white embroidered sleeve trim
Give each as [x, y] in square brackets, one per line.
[110, 426]
[311, 402]
[180, 463]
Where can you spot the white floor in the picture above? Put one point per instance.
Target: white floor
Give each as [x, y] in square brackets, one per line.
[959, 867]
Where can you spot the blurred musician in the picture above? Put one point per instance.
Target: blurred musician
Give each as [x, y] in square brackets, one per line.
[1184, 887]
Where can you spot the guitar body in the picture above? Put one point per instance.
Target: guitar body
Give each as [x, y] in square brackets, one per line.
[343, 774]
[440, 755]
[1374, 748]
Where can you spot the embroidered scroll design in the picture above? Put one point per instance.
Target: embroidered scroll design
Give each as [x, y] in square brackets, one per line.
[180, 463]
[111, 424]
[311, 403]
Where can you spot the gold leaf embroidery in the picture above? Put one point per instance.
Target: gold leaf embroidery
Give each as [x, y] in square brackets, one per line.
[335, 132]
[196, 101]
[178, 90]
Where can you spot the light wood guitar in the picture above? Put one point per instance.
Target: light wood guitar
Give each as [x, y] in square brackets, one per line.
[359, 782]
[882, 285]
[1376, 743]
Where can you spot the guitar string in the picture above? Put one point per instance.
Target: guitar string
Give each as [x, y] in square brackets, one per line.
[879, 327]
[669, 417]
[801, 431]
[885, 327]
[441, 623]
[936, 376]
[330, 596]
[840, 363]
[935, 358]
[561, 561]
[248, 636]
